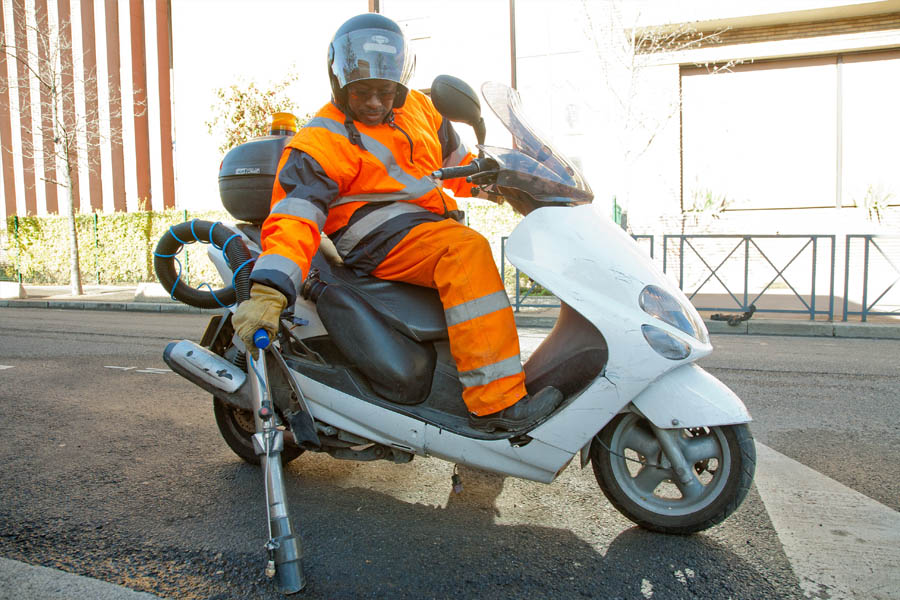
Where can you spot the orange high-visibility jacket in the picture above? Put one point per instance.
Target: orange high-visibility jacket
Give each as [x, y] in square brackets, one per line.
[365, 196]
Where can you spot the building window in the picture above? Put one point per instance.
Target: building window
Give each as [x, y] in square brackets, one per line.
[804, 133]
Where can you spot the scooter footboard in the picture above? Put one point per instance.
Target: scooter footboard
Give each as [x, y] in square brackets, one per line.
[690, 397]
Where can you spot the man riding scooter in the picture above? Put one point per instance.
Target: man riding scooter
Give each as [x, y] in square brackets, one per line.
[360, 172]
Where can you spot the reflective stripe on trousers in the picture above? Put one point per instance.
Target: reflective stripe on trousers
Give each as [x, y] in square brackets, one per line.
[457, 262]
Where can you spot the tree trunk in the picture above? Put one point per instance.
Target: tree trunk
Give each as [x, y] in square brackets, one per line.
[73, 238]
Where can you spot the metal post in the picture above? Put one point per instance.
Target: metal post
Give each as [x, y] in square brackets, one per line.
[846, 274]
[18, 248]
[746, 269]
[96, 249]
[865, 297]
[831, 286]
[518, 300]
[665, 251]
[812, 302]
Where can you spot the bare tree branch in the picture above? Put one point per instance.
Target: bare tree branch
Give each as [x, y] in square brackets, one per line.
[625, 52]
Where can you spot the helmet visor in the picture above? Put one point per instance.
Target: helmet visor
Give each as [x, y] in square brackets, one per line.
[371, 54]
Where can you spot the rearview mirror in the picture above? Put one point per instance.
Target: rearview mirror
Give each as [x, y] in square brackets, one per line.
[457, 101]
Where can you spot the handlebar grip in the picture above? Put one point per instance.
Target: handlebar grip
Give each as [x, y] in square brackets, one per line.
[455, 172]
[261, 339]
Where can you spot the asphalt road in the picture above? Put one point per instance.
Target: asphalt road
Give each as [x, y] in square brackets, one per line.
[113, 468]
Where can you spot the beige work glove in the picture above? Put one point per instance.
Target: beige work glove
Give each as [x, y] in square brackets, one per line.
[261, 311]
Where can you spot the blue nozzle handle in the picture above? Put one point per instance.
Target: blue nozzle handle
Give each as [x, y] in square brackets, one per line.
[261, 339]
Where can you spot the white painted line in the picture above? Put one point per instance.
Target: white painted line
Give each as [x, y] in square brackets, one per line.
[5, 367]
[153, 370]
[841, 544]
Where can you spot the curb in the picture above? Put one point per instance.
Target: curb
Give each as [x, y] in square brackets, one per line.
[158, 307]
[750, 327]
[808, 329]
[23, 581]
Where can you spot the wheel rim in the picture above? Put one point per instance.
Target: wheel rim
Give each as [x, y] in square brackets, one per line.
[646, 476]
[244, 421]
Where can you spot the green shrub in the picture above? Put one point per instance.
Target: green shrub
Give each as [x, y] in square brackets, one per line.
[113, 248]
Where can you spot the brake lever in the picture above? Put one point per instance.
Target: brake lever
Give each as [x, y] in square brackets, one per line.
[485, 177]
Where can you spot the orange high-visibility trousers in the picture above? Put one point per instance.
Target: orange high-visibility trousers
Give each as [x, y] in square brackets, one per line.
[457, 262]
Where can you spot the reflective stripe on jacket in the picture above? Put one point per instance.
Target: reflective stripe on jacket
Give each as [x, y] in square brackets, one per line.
[364, 198]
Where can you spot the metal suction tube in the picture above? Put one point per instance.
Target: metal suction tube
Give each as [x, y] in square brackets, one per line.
[283, 545]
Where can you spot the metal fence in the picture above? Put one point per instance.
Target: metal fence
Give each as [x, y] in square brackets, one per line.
[879, 267]
[788, 274]
[748, 266]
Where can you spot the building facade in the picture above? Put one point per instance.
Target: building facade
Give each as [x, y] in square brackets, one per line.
[779, 115]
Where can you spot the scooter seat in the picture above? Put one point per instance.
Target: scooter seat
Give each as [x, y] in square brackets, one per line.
[413, 310]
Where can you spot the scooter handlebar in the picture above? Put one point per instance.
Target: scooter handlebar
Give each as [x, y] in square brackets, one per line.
[476, 166]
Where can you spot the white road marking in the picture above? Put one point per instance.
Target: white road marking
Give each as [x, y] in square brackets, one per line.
[5, 367]
[841, 544]
[152, 370]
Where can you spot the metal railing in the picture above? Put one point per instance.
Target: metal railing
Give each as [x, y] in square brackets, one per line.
[870, 242]
[748, 243]
[546, 301]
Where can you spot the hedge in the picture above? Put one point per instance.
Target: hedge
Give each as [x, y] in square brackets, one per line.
[118, 247]
[113, 248]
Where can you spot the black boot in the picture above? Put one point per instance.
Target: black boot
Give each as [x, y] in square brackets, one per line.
[521, 415]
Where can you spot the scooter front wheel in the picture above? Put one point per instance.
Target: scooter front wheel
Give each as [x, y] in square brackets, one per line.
[237, 429]
[634, 469]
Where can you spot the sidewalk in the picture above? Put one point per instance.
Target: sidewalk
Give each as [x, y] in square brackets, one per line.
[152, 298]
[21, 581]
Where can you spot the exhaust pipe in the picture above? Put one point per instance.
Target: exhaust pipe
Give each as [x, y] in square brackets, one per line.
[209, 371]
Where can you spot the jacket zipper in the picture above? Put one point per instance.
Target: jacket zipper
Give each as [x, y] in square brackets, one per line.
[411, 160]
[400, 129]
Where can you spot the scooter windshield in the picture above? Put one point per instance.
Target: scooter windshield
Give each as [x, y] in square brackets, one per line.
[534, 166]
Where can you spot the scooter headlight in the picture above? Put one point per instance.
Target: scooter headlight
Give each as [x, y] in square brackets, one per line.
[665, 343]
[662, 305]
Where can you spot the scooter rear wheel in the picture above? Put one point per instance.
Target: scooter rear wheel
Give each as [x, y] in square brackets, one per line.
[637, 478]
[237, 429]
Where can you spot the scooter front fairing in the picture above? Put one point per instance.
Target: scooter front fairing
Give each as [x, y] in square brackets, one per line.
[593, 266]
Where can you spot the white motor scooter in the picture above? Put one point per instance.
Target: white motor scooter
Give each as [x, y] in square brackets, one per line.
[362, 369]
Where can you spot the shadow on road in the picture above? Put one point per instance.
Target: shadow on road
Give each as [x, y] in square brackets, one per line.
[126, 492]
[361, 543]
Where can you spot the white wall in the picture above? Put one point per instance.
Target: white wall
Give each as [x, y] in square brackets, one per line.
[217, 43]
